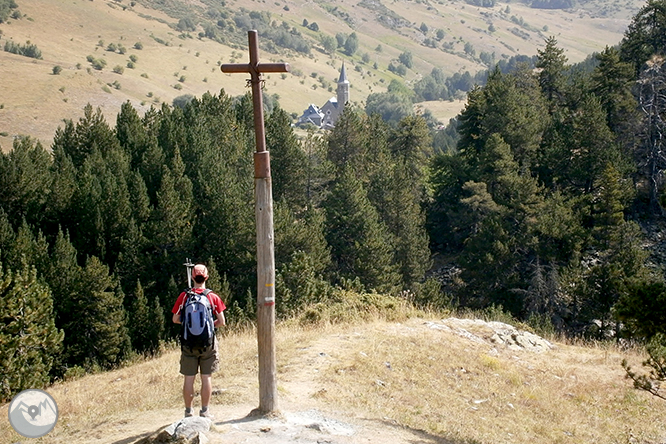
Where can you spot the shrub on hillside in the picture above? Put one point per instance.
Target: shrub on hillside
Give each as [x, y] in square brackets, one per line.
[57, 70]
[7, 9]
[99, 64]
[27, 50]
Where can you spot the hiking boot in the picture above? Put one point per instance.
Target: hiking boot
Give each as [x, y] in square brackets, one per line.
[188, 413]
[206, 414]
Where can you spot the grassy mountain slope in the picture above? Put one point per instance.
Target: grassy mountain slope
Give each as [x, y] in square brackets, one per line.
[33, 101]
[391, 382]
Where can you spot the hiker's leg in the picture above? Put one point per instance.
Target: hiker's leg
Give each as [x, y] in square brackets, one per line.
[209, 363]
[206, 390]
[188, 390]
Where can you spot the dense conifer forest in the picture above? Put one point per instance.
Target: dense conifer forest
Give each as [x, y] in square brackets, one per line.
[534, 201]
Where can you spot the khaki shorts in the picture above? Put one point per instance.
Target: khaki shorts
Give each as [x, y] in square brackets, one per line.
[193, 361]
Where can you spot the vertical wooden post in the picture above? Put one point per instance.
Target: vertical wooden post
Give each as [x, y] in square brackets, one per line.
[268, 401]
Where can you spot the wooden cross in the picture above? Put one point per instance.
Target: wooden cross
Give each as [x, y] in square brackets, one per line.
[264, 218]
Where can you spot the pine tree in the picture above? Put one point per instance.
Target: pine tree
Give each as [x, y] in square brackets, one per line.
[94, 320]
[511, 106]
[360, 243]
[91, 133]
[25, 181]
[63, 189]
[288, 161]
[552, 63]
[146, 322]
[318, 169]
[29, 339]
[298, 284]
[406, 221]
[7, 236]
[132, 135]
[619, 246]
[646, 35]
[61, 277]
[411, 145]
[502, 213]
[612, 81]
[171, 227]
[30, 248]
[346, 147]
[300, 233]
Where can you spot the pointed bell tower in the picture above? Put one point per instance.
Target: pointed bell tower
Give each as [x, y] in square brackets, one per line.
[343, 88]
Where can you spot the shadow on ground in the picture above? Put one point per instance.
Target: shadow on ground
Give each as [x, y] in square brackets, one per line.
[424, 437]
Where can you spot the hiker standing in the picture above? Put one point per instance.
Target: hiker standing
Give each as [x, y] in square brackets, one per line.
[200, 311]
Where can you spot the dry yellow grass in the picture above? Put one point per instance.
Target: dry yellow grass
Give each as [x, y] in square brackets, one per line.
[393, 374]
[33, 101]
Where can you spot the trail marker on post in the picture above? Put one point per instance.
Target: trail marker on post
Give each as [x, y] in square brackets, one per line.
[264, 218]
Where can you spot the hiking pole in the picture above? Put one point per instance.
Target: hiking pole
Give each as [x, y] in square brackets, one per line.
[188, 264]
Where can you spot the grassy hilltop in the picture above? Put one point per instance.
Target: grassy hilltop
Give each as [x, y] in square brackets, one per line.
[399, 382]
[75, 34]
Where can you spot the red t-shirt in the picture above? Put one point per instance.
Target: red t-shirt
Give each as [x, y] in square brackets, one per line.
[215, 302]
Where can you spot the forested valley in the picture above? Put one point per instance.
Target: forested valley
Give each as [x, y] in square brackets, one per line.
[541, 199]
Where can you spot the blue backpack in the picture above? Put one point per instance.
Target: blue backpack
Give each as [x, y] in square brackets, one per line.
[197, 319]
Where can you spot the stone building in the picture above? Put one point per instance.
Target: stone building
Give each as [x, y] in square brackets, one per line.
[326, 116]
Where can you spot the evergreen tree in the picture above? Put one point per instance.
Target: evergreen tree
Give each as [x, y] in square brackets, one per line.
[139, 198]
[90, 236]
[552, 63]
[171, 227]
[646, 35]
[612, 80]
[406, 221]
[88, 308]
[303, 232]
[31, 249]
[91, 133]
[360, 243]
[146, 322]
[132, 135]
[318, 170]
[346, 147]
[511, 106]
[503, 209]
[288, 160]
[61, 277]
[63, 189]
[298, 284]
[411, 145]
[643, 309]
[488, 258]
[7, 236]
[29, 339]
[619, 245]
[96, 322]
[134, 262]
[25, 181]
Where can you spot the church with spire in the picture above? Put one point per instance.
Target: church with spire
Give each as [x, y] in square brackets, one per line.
[326, 116]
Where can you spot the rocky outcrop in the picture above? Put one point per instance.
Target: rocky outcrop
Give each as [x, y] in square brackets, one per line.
[496, 333]
[191, 430]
